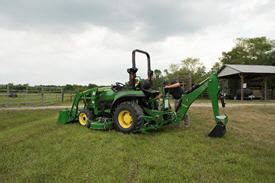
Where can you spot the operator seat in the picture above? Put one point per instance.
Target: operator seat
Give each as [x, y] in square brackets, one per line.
[146, 87]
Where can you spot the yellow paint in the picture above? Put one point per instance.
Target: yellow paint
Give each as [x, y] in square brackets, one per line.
[83, 119]
[125, 119]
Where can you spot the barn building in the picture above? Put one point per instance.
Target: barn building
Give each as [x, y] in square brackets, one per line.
[248, 81]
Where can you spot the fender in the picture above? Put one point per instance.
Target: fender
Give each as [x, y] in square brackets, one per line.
[126, 95]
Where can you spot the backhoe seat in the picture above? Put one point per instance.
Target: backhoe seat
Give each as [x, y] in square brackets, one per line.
[145, 86]
[151, 93]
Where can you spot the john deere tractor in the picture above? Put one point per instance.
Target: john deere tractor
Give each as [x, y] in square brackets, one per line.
[133, 107]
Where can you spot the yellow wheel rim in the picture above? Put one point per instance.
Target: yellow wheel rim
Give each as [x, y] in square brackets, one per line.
[83, 119]
[125, 119]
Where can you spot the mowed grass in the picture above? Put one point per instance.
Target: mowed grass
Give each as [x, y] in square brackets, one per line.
[34, 148]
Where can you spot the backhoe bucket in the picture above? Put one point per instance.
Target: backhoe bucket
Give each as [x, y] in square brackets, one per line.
[64, 116]
[218, 131]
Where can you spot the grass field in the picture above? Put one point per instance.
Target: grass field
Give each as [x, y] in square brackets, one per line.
[34, 148]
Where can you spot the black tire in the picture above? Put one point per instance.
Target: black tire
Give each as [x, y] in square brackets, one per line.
[88, 125]
[136, 113]
[86, 115]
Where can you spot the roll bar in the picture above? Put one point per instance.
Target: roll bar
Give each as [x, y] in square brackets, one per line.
[132, 71]
[134, 58]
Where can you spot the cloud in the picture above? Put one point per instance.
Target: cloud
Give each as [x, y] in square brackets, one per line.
[66, 41]
[156, 19]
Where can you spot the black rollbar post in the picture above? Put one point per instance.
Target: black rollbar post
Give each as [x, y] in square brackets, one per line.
[132, 71]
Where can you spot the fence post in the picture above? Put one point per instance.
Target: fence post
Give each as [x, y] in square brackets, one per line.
[8, 93]
[26, 94]
[8, 89]
[62, 94]
[42, 94]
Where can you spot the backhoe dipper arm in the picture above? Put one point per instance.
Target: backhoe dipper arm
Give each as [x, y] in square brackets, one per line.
[211, 84]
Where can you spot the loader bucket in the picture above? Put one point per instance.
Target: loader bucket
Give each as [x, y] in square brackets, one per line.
[218, 131]
[64, 116]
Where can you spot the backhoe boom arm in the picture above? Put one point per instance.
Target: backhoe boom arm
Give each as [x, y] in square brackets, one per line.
[211, 85]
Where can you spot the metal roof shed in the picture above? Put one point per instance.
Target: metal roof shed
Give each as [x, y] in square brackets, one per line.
[242, 71]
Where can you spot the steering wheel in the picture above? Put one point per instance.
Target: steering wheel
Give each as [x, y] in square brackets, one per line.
[120, 84]
[117, 87]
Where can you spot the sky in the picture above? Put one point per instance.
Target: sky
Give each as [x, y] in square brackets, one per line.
[90, 41]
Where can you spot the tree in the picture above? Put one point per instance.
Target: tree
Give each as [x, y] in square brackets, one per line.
[158, 79]
[166, 71]
[192, 67]
[173, 68]
[192, 64]
[157, 73]
[68, 87]
[91, 85]
[189, 67]
[216, 67]
[258, 51]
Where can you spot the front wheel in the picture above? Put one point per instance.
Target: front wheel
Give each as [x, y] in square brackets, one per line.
[84, 117]
[128, 117]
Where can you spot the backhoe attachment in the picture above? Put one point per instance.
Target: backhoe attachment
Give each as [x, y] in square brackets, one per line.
[211, 85]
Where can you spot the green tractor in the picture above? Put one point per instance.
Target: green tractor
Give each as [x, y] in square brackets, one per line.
[133, 107]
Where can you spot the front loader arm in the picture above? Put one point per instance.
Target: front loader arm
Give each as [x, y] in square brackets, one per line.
[77, 98]
[69, 115]
[211, 85]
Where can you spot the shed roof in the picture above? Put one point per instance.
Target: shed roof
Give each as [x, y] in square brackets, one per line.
[230, 69]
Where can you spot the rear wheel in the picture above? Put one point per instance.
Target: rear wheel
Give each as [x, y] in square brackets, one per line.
[128, 117]
[84, 117]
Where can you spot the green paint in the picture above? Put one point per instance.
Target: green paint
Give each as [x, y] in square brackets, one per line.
[64, 116]
[101, 125]
[103, 100]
